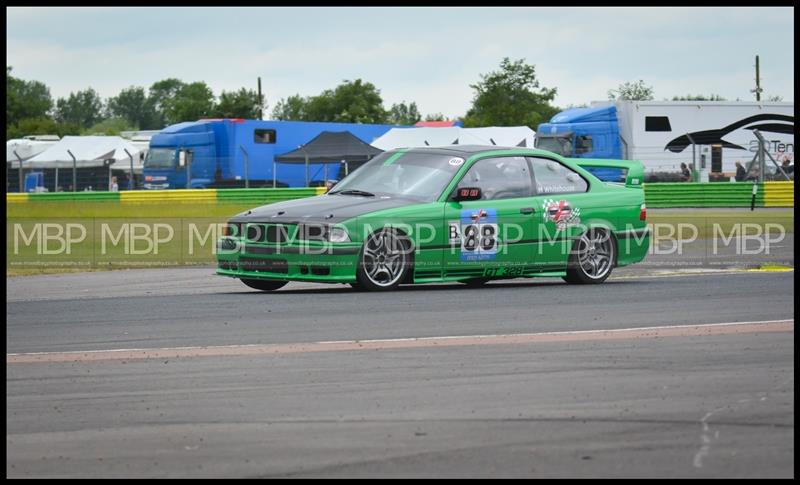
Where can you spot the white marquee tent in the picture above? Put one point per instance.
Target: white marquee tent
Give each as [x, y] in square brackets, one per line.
[89, 151]
[25, 148]
[507, 136]
[504, 136]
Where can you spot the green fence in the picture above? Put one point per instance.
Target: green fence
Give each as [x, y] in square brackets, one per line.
[141, 203]
[226, 202]
[263, 196]
[687, 194]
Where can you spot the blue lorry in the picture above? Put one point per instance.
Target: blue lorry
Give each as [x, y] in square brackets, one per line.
[235, 152]
[582, 133]
[585, 133]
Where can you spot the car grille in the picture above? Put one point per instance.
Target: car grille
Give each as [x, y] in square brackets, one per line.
[270, 233]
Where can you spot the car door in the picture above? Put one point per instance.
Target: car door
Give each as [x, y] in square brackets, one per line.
[491, 236]
[562, 202]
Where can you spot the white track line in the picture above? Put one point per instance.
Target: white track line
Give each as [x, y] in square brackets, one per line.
[401, 343]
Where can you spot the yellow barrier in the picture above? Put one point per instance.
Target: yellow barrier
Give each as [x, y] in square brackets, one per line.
[193, 196]
[778, 194]
[149, 203]
[16, 198]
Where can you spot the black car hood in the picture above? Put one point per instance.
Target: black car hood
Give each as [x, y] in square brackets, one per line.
[321, 209]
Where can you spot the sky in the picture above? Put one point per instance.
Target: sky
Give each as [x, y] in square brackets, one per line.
[430, 56]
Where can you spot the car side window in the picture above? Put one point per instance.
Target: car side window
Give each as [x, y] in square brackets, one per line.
[499, 178]
[554, 178]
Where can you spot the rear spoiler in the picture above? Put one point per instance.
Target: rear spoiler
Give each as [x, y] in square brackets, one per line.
[629, 172]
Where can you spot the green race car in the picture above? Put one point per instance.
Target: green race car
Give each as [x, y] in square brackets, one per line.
[463, 213]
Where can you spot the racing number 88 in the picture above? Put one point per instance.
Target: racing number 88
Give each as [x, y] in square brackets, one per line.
[485, 234]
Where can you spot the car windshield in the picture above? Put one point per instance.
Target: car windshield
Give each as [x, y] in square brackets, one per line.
[421, 176]
[160, 158]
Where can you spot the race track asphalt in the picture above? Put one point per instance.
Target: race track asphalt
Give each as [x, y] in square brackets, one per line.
[648, 404]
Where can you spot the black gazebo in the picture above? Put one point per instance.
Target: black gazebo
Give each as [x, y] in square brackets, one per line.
[341, 147]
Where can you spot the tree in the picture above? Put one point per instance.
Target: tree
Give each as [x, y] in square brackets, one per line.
[510, 97]
[243, 103]
[775, 98]
[629, 91]
[160, 94]
[83, 108]
[698, 97]
[133, 105]
[404, 114]
[320, 108]
[292, 108]
[350, 102]
[41, 126]
[191, 102]
[435, 117]
[25, 99]
[111, 126]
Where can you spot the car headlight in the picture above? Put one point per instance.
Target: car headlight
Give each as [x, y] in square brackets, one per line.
[338, 235]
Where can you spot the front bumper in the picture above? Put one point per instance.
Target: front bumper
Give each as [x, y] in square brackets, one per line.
[298, 261]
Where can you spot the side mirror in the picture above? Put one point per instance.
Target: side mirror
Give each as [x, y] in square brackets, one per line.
[181, 158]
[467, 193]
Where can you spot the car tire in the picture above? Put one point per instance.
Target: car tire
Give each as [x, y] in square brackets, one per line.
[385, 261]
[264, 285]
[592, 258]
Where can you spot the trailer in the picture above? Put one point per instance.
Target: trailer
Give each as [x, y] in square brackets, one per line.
[710, 135]
[234, 152]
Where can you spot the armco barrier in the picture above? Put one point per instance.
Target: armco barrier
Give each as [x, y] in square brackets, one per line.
[688, 194]
[778, 194]
[62, 204]
[226, 202]
[194, 196]
[74, 196]
[264, 196]
[157, 203]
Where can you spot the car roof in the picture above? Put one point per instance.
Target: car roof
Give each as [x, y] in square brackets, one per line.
[461, 149]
